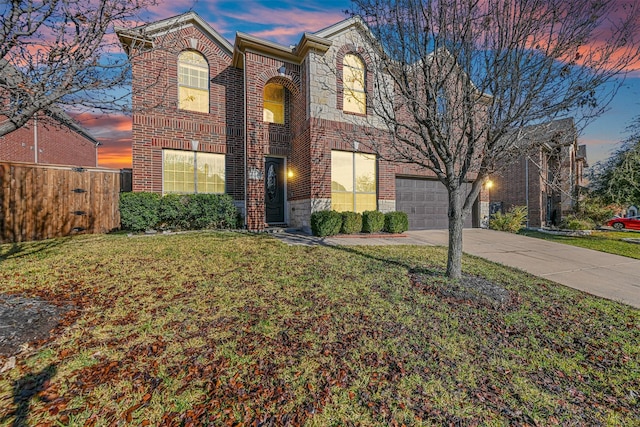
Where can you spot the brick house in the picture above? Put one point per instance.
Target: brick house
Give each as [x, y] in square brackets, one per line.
[547, 179]
[50, 138]
[279, 128]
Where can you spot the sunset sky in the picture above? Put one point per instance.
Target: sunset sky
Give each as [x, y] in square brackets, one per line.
[285, 21]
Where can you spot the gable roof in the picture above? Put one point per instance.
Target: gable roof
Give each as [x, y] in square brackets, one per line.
[144, 33]
[344, 25]
[557, 133]
[295, 54]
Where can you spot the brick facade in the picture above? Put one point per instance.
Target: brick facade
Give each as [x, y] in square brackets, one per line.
[44, 140]
[159, 124]
[546, 179]
[315, 123]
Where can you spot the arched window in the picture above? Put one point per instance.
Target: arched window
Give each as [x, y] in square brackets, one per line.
[193, 82]
[273, 103]
[354, 94]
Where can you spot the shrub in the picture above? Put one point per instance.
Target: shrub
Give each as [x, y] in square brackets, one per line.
[574, 223]
[173, 212]
[396, 222]
[211, 211]
[595, 209]
[351, 223]
[372, 221]
[326, 223]
[239, 220]
[513, 221]
[139, 211]
[142, 211]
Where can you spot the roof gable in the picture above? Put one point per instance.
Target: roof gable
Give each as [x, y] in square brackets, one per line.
[294, 54]
[144, 34]
[344, 26]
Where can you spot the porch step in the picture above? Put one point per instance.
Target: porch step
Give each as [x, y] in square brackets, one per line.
[276, 228]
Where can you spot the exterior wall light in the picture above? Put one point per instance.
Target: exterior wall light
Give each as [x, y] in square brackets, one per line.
[290, 174]
[282, 70]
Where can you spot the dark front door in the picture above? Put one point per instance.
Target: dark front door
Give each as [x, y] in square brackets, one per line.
[274, 190]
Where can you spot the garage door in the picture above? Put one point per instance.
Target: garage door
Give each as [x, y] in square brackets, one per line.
[426, 203]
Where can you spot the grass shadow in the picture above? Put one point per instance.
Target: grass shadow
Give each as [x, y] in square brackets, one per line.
[410, 267]
[17, 250]
[24, 390]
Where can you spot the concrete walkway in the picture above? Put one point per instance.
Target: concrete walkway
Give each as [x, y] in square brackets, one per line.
[610, 276]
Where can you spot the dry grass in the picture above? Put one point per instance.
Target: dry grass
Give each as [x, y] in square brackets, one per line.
[223, 328]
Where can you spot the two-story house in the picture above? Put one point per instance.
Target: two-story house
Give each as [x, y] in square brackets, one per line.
[279, 128]
[545, 179]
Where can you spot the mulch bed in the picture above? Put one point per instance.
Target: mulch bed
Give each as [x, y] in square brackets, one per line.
[24, 320]
[476, 290]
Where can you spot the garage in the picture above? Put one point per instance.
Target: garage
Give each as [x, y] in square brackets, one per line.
[425, 202]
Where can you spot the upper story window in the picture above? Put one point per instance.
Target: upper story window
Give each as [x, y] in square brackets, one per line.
[193, 82]
[273, 103]
[354, 94]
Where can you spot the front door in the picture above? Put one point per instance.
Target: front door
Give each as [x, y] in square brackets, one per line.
[274, 190]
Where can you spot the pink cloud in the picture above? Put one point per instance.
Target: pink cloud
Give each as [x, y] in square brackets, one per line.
[114, 157]
[113, 131]
[165, 10]
[101, 123]
[597, 149]
[286, 23]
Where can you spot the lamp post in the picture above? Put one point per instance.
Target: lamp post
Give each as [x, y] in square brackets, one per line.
[488, 185]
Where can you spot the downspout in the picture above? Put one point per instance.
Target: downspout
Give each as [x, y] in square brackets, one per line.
[526, 185]
[246, 132]
[35, 138]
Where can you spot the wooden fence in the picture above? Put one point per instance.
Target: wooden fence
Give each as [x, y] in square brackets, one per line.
[42, 202]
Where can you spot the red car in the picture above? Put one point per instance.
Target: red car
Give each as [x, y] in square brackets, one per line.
[632, 223]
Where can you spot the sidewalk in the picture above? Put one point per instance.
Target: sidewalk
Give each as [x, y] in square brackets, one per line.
[610, 276]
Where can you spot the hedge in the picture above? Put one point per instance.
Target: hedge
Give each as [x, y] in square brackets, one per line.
[139, 211]
[144, 211]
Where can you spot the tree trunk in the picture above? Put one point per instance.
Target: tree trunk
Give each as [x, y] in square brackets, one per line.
[456, 223]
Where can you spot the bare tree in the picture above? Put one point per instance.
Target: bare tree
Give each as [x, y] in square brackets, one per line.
[459, 82]
[64, 53]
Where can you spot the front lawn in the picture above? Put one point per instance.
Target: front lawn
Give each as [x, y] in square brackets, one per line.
[604, 241]
[240, 329]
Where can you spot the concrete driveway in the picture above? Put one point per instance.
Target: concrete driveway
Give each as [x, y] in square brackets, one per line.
[610, 276]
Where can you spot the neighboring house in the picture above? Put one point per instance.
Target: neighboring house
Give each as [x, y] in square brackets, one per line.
[50, 139]
[547, 179]
[281, 129]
